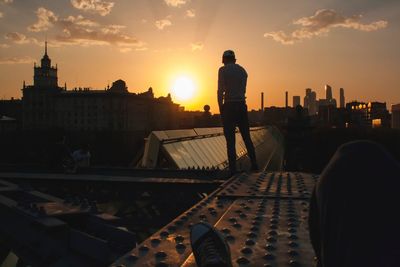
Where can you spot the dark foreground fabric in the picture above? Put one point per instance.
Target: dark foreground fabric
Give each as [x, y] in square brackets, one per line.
[355, 209]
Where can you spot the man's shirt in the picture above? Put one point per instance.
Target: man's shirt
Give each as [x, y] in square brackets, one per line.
[232, 81]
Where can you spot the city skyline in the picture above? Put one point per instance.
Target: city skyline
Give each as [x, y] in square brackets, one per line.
[351, 45]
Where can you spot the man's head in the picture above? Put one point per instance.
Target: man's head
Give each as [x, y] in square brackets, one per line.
[228, 57]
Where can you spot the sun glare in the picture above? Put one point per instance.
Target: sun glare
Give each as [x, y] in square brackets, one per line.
[183, 88]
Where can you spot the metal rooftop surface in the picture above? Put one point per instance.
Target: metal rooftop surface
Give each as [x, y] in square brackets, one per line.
[263, 216]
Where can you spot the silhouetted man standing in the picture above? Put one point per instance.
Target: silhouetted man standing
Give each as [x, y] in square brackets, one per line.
[232, 81]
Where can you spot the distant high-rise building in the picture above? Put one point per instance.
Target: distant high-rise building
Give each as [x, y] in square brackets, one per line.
[296, 101]
[286, 99]
[313, 104]
[328, 92]
[396, 116]
[310, 101]
[342, 101]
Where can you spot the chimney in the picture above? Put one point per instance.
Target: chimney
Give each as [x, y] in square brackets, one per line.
[262, 101]
[286, 99]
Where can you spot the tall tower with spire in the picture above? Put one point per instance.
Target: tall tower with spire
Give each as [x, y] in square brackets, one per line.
[38, 99]
[45, 76]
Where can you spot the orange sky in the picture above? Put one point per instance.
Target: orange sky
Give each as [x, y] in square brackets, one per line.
[284, 45]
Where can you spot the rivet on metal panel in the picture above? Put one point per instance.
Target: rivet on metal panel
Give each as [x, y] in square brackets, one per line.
[252, 235]
[164, 234]
[160, 255]
[229, 238]
[180, 247]
[294, 263]
[155, 241]
[246, 250]
[242, 260]
[237, 225]
[268, 256]
[179, 239]
[255, 229]
[143, 249]
[132, 257]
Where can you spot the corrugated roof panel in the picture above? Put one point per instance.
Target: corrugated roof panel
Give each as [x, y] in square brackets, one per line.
[175, 155]
[186, 156]
[207, 152]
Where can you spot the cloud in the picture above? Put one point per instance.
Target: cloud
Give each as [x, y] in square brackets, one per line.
[197, 46]
[1, 14]
[17, 38]
[190, 13]
[321, 23]
[161, 24]
[6, 1]
[176, 3]
[100, 7]
[78, 30]
[74, 31]
[46, 19]
[4, 46]
[16, 60]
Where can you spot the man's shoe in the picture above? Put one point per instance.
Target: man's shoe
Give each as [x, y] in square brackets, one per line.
[209, 246]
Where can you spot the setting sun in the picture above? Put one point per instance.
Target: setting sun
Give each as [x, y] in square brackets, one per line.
[183, 88]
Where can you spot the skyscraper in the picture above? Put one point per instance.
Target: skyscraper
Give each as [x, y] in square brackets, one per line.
[296, 101]
[342, 101]
[310, 101]
[328, 92]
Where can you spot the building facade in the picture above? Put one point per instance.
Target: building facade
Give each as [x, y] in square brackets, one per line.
[296, 101]
[46, 105]
[372, 114]
[396, 116]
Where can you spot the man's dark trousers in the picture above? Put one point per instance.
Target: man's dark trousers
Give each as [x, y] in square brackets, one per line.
[235, 114]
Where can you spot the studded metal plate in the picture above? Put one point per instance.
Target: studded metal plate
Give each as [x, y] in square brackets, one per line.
[267, 228]
[267, 232]
[286, 184]
[171, 245]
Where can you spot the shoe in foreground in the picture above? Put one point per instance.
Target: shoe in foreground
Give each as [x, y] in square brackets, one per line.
[209, 246]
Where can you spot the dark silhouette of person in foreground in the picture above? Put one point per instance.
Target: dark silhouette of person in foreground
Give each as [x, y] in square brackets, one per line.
[354, 211]
[354, 218]
[232, 81]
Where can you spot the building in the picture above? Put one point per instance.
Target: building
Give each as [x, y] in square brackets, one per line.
[342, 99]
[396, 116]
[372, 114]
[329, 100]
[310, 101]
[328, 92]
[46, 105]
[296, 101]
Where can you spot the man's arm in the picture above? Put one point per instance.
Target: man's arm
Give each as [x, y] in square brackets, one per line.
[221, 90]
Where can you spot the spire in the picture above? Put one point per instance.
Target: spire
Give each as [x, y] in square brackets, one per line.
[45, 47]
